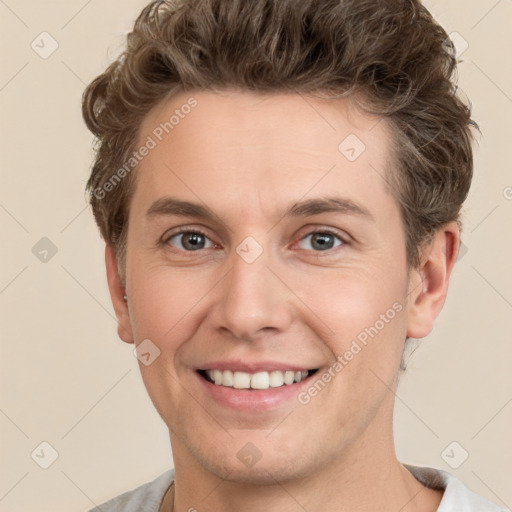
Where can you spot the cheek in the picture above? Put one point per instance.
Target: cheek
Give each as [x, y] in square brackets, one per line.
[366, 320]
[348, 301]
[167, 309]
[167, 303]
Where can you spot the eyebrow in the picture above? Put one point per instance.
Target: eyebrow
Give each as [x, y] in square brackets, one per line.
[327, 205]
[168, 206]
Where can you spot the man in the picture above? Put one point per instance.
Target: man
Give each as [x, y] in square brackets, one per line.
[279, 184]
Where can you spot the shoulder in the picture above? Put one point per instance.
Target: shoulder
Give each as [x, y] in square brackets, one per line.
[457, 497]
[145, 498]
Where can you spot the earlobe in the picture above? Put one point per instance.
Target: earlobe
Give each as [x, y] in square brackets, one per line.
[428, 284]
[117, 295]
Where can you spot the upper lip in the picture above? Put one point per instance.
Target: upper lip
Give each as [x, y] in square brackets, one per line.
[255, 366]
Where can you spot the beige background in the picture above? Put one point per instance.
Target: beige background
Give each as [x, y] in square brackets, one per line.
[67, 379]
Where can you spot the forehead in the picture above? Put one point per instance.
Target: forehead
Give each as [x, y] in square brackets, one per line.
[279, 146]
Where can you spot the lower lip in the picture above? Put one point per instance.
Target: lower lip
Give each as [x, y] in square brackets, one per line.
[253, 400]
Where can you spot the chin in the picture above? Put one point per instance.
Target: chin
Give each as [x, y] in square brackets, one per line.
[249, 465]
[269, 473]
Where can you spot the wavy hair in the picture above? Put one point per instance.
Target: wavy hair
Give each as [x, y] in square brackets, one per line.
[390, 56]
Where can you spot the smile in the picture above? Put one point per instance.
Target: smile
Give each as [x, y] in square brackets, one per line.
[259, 380]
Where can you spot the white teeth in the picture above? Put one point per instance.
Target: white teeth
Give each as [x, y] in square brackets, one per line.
[276, 379]
[241, 380]
[227, 378]
[258, 380]
[217, 377]
[289, 377]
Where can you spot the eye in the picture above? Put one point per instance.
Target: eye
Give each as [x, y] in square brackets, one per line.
[190, 241]
[320, 241]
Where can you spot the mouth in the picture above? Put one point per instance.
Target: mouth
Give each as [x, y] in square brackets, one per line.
[261, 380]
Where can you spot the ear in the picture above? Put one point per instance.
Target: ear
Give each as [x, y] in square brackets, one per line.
[117, 293]
[428, 284]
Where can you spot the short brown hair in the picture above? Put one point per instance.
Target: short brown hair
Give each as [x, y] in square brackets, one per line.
[391, 53]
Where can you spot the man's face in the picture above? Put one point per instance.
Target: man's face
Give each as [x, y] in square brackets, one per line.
[257, 243]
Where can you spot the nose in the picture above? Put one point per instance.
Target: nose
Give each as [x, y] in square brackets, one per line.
[251, 301]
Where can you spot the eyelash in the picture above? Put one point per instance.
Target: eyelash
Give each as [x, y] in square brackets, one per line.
[343, 239]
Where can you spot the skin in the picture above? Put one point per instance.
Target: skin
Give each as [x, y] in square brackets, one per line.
[249, 158]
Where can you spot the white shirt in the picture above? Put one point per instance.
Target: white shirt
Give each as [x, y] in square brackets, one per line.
[456, 498]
